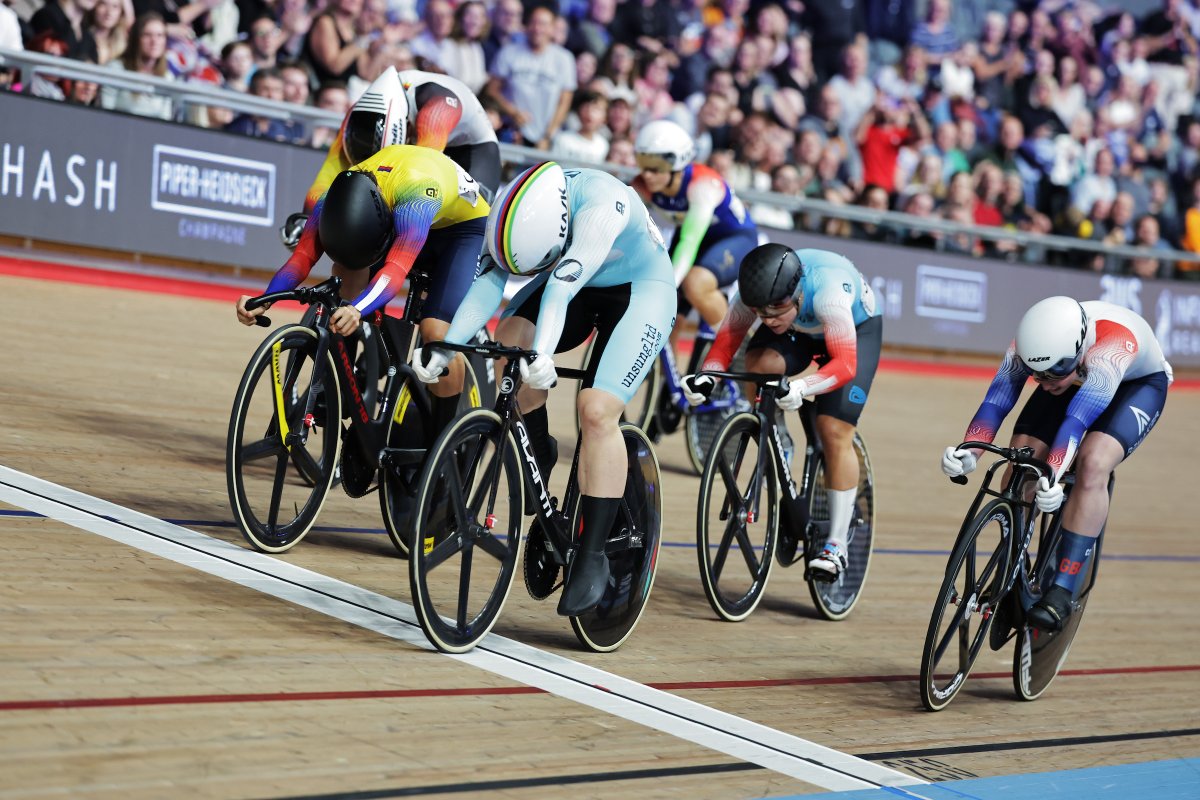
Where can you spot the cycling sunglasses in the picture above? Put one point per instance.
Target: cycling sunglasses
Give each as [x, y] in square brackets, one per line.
[774, 310]
[1062, 369]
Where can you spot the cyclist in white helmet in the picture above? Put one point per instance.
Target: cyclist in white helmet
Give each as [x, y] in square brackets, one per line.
[713, 230]
[1102, 384]
[600, 264]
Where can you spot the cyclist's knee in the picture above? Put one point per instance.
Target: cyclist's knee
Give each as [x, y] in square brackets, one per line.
[598, 411]
[765, 360]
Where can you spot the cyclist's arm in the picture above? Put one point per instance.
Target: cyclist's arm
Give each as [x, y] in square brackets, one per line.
[703, 195]
[335, 162]
[439, 112]
[1000, 398]
[729, 336]
[301, 261]
[413, 219]
[596, 227]
[480, 303]
[833, 306]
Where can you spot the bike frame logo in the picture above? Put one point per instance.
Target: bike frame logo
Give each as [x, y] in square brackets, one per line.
[196, 183]
[534, 472]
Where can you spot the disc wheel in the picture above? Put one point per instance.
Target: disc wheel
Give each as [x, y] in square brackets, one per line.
[468, 524]
[737, 519]
[632, 549]
[282, 417]
[962, 614]
[836, 599]
[1040, 654]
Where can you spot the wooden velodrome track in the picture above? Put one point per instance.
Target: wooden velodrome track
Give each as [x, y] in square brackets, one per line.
[134, 668]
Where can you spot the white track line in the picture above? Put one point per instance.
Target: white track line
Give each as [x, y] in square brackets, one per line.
[604, 691]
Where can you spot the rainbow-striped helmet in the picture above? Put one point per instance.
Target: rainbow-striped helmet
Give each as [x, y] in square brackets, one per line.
[527, 227]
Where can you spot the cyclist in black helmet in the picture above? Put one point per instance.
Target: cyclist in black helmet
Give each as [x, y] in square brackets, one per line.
[814, 306]
[405, 206]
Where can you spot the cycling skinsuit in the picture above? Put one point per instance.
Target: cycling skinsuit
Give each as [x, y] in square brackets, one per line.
[439, 216]
[614, 275]
[713, 229]
[1121, 389]
[838, 326]
[447, 117]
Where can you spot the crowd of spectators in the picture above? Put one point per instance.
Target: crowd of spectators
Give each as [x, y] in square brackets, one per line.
[1062, 116]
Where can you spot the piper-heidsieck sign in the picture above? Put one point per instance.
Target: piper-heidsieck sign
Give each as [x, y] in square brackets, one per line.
[91, 177]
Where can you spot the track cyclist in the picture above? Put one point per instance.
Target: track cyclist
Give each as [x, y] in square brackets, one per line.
[403, 207]
[1102, 384]
[814, 305]
[713, 229]
[427, 109]
[600, 264]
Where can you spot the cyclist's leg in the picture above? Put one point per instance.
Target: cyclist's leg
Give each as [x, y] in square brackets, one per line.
[716, 267]
[782, 353]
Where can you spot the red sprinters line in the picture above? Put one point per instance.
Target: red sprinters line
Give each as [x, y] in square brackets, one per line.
[388, 694]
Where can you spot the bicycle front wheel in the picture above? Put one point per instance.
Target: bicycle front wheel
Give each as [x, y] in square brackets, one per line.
[835, 600]
[969, 596]
[703, 423]
[632, 549]
[284, 440]
[468, 531]
[737, 520]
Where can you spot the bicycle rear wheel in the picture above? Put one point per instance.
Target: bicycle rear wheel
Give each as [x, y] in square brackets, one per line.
[408, 430]
[469, 531]
[962, 615]
[277, 483]
[835, 600]
[735, 549]
[632, 549]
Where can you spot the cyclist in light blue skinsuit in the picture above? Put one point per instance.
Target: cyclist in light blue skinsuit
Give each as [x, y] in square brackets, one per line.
[601, 264]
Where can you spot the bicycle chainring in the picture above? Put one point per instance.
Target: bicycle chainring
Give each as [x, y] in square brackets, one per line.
[541, 570]
[785, 550]
[357, 475]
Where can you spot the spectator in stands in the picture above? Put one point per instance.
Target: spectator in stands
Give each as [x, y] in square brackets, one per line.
[146, 54]
[585, 142]
[906, 80]
[797, 71]
[265, 39]
[930, 175]
[994, 65]
[108, 22]
[1010, 155]
[1121, 220]
[434, 43]
[833, 26]
[297, 88]
[695, 69]
[10, 37]
[333, 97]
[785, 180]
[1018, 215]
[1098, 184]
[267, 84]
[83, 93]
[622, 153]
[875, 198]
[1071, 98]
[1147, 235]
[1094, 84]
[649, 25]
[237, 63]
[1039, 112]
[295, 23]
[64, 19]
[958, 241]
[853, 87]
[464, 56]
[1163, 207]
[968, 140]
[619, 121]
[936, 34]
[507, 27]
[534, 81]
[770, 29]
[652, 87]
[218, 25]
[1190, 238]
[50, 87]
[945, 147]
[889, 126]
[713, 129]
[333, 46]
[593, 33]
[919, 204]
[618, 71]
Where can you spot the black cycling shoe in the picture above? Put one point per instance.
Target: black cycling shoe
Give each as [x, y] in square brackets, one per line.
[1051, 612]
[587, 578]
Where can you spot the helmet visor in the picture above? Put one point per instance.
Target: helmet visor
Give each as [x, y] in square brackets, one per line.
[1057, 371]
[363, 136]
[654, 162]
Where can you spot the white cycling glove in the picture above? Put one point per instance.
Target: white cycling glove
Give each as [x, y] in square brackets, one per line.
[697, 388]
[432, 371]
[796, 395]
[1048, 497]
[957, 462]
[540, 374]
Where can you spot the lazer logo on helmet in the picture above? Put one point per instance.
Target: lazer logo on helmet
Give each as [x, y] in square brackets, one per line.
[1036, 359]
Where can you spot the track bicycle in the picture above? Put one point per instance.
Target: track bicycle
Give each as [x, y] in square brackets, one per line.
[659, 405]
[310, 410]
[992, 581]
[470, 515]
[751, 512]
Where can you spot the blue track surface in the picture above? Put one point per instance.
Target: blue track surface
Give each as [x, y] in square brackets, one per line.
[1155, 780]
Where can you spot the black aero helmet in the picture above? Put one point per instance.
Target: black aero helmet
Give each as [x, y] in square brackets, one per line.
[356, 225]
[769, 275]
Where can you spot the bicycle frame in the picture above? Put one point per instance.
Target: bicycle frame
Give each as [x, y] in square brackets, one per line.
[674, 388]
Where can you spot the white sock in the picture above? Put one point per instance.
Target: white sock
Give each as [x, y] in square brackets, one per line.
[841, 509]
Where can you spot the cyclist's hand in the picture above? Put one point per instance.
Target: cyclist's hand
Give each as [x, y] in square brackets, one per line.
[957, 462]
[289, 232]
[345, 320]
[796, 395]
[540, 374]
[429, 365]
[1048, 498]
[698, 388]
[247, 317]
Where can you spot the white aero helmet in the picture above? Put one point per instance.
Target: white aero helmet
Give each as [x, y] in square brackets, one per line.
[527, 227]
[377, 119]
[1051, 335]
[663, 144]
